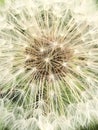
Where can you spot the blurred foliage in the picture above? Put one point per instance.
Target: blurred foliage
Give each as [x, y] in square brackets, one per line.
[92, 126]
[96, 2]
[1, 1]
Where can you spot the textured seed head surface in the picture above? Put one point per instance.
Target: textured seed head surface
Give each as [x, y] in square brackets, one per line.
[48, 55]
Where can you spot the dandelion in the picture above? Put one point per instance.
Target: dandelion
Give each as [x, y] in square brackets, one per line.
[78, 116]
[48, 60]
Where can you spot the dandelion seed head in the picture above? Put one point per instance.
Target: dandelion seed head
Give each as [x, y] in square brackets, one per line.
[45, 56]
[48, 52]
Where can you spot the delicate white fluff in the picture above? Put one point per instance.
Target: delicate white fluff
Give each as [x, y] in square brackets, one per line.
[82, 114]
[48, 64]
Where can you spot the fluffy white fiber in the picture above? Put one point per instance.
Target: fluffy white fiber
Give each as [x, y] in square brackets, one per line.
[48, 64]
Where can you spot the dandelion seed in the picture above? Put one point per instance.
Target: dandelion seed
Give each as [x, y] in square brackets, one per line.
[64, 64]
[51, 76]
[47, 60]
[76, 51]
[54, 44]
[42, 49]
